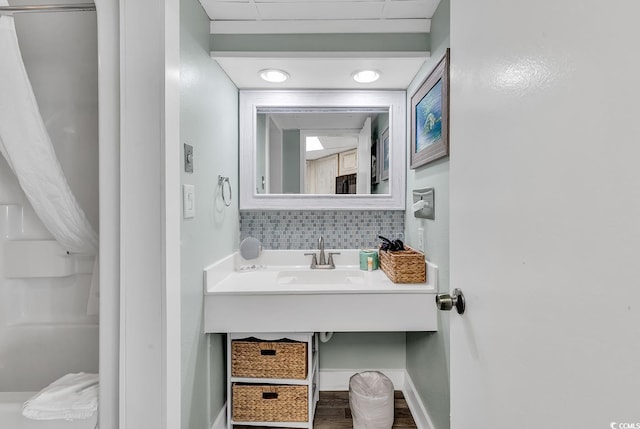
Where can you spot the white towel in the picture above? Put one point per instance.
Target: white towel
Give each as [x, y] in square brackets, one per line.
[71, 397]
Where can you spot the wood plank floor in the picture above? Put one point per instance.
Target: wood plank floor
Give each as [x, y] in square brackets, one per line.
[333, 412]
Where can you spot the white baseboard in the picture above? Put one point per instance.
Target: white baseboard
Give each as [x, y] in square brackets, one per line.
[417, 408]
[338, 379]
[221, 421]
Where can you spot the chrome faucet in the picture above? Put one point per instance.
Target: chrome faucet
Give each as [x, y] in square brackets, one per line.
[321, 262]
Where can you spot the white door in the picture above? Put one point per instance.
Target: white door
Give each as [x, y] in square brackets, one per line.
[326, 170]
[545, 214]
[310, 177]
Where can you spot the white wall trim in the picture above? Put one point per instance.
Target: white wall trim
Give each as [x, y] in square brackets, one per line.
[171, 219]
[149, 216]
[109, 206]
[221, 421]
[416, 406]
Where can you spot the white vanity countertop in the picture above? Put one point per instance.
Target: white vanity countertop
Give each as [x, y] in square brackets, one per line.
[243, 296]
[265, 281]
[223, 278]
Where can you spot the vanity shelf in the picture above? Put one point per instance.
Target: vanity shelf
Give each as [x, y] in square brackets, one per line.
[271, 384]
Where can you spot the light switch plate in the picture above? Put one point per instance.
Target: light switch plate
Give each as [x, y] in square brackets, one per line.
[188, 201]
[188, 158]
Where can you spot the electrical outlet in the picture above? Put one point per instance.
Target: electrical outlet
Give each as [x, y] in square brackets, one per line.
[421, 239]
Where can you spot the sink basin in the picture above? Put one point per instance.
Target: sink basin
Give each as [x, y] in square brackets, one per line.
[320, 277]
[283, 294]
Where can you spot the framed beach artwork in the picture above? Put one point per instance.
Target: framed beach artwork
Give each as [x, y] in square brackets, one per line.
[430, 116]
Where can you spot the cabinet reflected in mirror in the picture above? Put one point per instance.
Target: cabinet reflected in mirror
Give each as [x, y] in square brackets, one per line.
[322, 150]
[315, 152]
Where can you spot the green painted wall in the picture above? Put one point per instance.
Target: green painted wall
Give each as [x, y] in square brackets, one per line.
[261, 145]
[208, 122]
[291, 162]
[364, 350]
[381, 124]
[428, 353]
[372, 42]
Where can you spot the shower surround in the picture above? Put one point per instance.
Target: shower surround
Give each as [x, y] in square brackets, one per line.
[45, 328]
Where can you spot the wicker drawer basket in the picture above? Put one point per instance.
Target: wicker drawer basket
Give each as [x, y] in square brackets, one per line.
[269, 403]
[269, 359]
[405, 266]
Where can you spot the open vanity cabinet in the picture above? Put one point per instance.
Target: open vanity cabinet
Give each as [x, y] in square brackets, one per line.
[272, 379]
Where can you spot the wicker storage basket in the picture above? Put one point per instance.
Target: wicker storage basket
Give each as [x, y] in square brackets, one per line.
[269, 403]
[269, 359]
[405, 266]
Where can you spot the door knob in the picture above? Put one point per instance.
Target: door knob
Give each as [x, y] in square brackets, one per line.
[446, 302]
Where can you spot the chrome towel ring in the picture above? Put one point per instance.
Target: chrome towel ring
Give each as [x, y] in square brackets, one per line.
[221, 181]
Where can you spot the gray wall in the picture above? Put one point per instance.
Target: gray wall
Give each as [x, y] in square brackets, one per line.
[364, 350]
[347, 42]
[382, 123]
[275, 158]
[291, 162]
[209, 122]
[428, 353]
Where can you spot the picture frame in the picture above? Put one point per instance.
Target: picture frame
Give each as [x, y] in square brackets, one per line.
[430, 116]
[384, 155]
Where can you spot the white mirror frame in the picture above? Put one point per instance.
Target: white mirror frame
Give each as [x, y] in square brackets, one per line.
[251, 101]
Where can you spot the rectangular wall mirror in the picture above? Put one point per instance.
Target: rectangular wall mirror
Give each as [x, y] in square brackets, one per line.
[336, 150]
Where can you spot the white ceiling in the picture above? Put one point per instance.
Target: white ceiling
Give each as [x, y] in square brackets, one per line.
[320, 70]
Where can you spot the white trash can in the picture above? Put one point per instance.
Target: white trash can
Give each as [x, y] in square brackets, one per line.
[371, 400]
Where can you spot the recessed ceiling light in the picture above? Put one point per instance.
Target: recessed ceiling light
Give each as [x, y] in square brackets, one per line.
[366, 76]
[273, 75]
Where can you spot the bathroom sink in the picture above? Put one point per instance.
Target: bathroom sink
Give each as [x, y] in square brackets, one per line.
[318, 277]
[281, 293]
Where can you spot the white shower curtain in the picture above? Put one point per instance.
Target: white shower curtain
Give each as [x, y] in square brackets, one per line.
[25, 143]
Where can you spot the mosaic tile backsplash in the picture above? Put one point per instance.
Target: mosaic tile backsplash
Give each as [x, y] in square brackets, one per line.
[346, 229]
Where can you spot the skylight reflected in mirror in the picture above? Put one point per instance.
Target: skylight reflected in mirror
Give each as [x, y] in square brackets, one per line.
[313, 144]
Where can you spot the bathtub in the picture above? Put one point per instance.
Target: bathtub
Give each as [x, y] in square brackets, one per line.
[11, 415]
